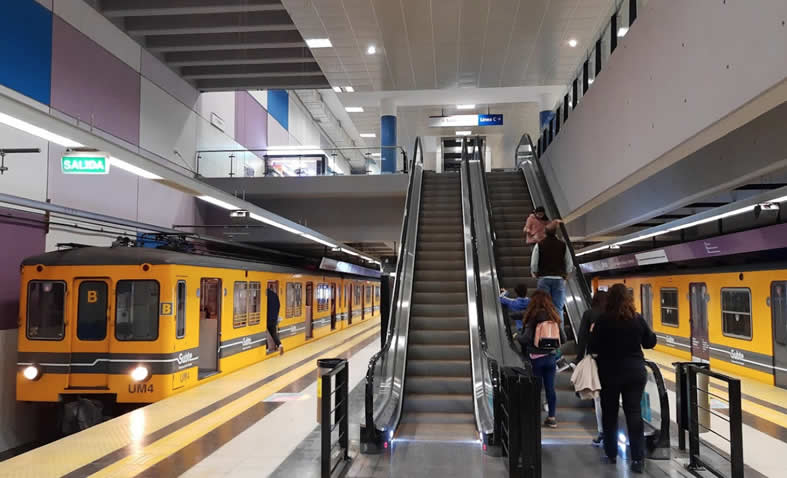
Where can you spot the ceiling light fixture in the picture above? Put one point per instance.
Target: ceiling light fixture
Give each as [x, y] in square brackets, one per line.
[591, 80]
[120, 164]
[337, 89]
[319, 42]
[317, 239]
[219, 203]
[349, 89]
[464, 133]
[273, 223]
[573, 42]
[40, 132]
[371, 50]
[622, 31]
[353, 109]
[368, 135]
[376, 155]
[465, 107]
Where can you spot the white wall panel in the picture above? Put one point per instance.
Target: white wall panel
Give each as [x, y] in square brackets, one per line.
[167, 126]
[681, 69]
[26, 175]
[88, 21]
[277, 135]
[221, 103]
[58, 235]
[261, 96]
[160, 74]
[163, 206]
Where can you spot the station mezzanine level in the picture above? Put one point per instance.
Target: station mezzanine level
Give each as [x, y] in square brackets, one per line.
[226, 124]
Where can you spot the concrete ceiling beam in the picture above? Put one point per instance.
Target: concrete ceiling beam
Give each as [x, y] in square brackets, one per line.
[146, 8]
[212, 23]
[258, 83]
[224, 41]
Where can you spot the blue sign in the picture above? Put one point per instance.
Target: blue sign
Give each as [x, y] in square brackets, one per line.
[490, 120]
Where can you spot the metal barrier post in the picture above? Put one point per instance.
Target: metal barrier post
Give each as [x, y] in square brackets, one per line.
[332, 380]
[693, 419]
[736, 428]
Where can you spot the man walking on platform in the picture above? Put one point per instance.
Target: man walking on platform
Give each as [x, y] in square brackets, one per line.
[551, 264]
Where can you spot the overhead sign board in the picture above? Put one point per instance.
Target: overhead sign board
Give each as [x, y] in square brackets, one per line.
[466, 120]
[84, 163]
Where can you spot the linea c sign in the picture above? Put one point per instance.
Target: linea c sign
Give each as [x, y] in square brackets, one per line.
[466, 120]
[84, 163]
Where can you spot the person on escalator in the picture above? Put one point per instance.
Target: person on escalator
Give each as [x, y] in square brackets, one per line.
[516, 306]
[541, 340]
[589, 319]
[617, 339]
[535, 225]
[551, 263]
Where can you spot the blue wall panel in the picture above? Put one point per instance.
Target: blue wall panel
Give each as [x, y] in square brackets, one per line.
[279, 106]
[26, 48]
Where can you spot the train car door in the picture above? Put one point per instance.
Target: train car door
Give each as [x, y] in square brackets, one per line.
[778, 302]
[91, 340]
[333, 306]
[210, 294]
[309, 310]
[700, 345]
[646, 297]
[273, 285]
[349, 298]
[363, 302]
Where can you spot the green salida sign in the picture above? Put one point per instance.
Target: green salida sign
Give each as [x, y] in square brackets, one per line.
[92, 164]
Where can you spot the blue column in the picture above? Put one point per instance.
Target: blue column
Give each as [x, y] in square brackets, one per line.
[388, 138]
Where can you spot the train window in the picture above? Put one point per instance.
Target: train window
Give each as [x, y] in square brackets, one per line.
[180, 318]
[323, 297]
[46, 303]
[255, 302]
[368, 294]
[377, 294]
[357, 295]
[240, 305]
[92, 311]
[294, 299]
[346, 293]
[136, 310]
[736, 313]
[669, 307]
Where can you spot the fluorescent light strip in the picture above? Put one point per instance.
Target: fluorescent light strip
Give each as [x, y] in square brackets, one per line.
[219, 203]
[348, 251]
[317, 239]
[353, 109]
[640, 238]
[349, 89]
[368, 135]
[592, 250]
[319, 42]
[120, 164]
[273, 223]
[40, 132]
[464, 133]
[337, 89]
[622, 31]
[712, 218]
[465, 107]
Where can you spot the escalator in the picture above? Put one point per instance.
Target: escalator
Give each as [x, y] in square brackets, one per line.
[438, 401]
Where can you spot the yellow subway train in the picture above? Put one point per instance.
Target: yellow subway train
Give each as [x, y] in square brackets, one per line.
[135, 325]
[734, 318]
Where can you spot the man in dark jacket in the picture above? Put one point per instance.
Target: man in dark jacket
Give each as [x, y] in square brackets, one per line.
[273, 320]
[551, 263]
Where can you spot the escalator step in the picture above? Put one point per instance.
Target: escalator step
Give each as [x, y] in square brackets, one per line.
[439, 368]
[441, 310]
[438, 324]
[438, 403]
[438, 352]
[439, 337]
[439, 297]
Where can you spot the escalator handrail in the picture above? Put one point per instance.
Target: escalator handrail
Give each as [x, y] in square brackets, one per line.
[415, 160]
[664, 409]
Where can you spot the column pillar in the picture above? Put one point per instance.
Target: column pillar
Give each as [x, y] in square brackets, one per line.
[388, 136]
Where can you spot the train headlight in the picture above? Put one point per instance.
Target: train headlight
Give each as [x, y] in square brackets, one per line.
[140, 374]
[32, 372]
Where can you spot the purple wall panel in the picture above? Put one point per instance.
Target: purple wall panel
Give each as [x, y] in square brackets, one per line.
[91, 84]
[21, 238]
[251, 122]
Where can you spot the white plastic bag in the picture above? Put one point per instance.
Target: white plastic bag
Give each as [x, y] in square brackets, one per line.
[585, 378]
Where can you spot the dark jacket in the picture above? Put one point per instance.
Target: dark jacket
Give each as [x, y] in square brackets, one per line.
[551, 260]
[583, 336]
[527, 337]
[619, 343]
[273, 309]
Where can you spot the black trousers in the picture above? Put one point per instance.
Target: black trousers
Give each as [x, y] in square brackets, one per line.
[273, 330]
[630, 383]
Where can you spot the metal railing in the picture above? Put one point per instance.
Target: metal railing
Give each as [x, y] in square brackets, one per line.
[333, 398]
[385, 374]
[288, 161]
[520, 431]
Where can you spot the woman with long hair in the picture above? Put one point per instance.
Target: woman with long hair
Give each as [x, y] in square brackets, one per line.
[589, 318]
[544, 360]
[618, 339]
[535, 226]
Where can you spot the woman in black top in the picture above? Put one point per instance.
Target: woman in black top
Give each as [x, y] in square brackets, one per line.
[618, 338]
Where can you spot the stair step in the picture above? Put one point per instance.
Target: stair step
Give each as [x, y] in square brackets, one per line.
[434, 237]
[434, 403]
[441, 310]
[439, 298]
[447, 265]
[433, 276]
[438, 368]
[441, 286]
[438, 352]
[424, 322]
[435, 220]
[441, 256]
[439, 337]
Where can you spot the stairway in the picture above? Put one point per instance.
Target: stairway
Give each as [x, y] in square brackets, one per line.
[511, 204]
[438, 399]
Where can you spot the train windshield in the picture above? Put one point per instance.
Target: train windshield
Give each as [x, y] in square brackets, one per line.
[137, 305]
[46, 302]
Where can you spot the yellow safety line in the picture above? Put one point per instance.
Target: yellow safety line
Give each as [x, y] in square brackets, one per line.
[155, 452]
[747, 405]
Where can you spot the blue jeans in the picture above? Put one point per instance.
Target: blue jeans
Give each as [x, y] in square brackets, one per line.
[545, 368]
[557, 289]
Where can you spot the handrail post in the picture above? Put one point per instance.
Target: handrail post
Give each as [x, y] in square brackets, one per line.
[324, 393]
[694, 424]
[333, 390]
[736, 428]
